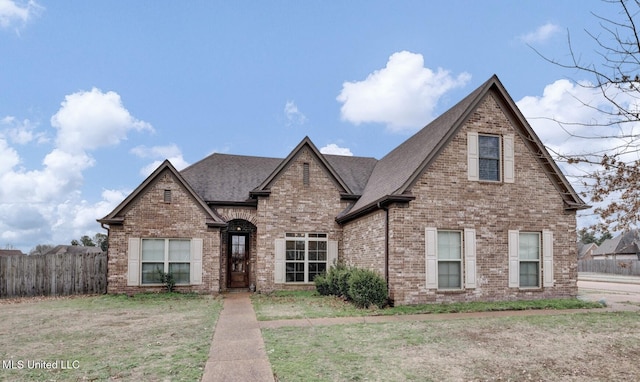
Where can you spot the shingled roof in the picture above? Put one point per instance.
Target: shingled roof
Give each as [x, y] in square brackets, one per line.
[397, 171]
[116, 216]
[223, 178]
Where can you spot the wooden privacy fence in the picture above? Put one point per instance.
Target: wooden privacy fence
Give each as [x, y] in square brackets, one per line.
[53, 275]
[618, 267]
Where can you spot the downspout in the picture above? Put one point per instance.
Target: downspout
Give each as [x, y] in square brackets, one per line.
[106, 283]
[386, 244]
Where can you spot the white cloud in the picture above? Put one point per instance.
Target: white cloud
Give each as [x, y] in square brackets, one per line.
[402, 95]
[334, 149]
[93, 119]
[567, 111]
[160, 153]
[20, 132]
[293, 115]
[542, 34]
[13, 13]
[566, 125]
[46, 205]
[10, 157]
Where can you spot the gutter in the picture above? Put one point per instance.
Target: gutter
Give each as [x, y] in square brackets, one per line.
[384, 201]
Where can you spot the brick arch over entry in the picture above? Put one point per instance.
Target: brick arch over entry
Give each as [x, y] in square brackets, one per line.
[231, 214]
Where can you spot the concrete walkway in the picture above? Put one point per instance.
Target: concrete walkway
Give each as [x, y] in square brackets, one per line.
[237, 351]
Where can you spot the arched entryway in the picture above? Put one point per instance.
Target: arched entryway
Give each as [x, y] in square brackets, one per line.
[238, 254]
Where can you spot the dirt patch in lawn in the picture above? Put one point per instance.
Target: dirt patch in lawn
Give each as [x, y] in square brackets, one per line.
[106, 337]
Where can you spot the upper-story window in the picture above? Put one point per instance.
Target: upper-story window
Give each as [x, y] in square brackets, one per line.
[490, 158]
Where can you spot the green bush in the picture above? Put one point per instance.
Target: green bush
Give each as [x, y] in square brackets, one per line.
[337, 279]
[322, 285]
[367, 288]
[342, 281]
[363, 287]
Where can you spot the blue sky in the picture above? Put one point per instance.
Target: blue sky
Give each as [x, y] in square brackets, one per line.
[95, 94]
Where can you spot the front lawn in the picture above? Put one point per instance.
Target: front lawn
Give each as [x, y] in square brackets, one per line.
[112, 337]
[576, 347]
[309, 304]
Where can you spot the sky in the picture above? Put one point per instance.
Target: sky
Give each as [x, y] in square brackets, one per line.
[94, 95]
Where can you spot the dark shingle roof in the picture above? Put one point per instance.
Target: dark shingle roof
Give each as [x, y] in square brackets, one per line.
[10, 252]
[72, 249]
[625, 243]
[396, 169]
[230, 178]
[354, 171]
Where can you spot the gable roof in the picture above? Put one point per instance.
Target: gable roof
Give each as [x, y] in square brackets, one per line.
[229, 179]
[11, 252]
[73, 249]
[306, 142]
[397, 171]
[114, 217]
[584, 248]
[627, 243]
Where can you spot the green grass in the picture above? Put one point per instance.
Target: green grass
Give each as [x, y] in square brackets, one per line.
[309, 304]
[111, 337]
[581, 346]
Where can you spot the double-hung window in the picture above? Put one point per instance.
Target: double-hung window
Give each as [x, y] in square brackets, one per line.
[171, 256]
[530, 259]
[490, 158]
[305, 256]
[449, 259]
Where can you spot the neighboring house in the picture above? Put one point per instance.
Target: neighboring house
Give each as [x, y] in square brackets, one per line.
[471, 207]
[10, 252]
[73, 249]
[625, 246]
[585, 250]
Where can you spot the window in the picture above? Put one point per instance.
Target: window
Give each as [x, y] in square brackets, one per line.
[167, 196]
[489, 157]
[529, 258]
[168, 256]
[449, 260]
[305, 256]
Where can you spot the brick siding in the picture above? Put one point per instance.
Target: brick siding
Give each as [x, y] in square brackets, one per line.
[293, 206]
[148, 216]
[445, 199]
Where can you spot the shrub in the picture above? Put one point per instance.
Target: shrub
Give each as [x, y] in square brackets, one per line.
[367, 288]
[335, 280]
[342, 281]
[322, 285]
[338, 280]
[168, 280]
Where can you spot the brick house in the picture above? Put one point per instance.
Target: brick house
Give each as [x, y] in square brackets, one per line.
[471, 207]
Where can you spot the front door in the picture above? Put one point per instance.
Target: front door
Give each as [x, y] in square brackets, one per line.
[238, 260]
